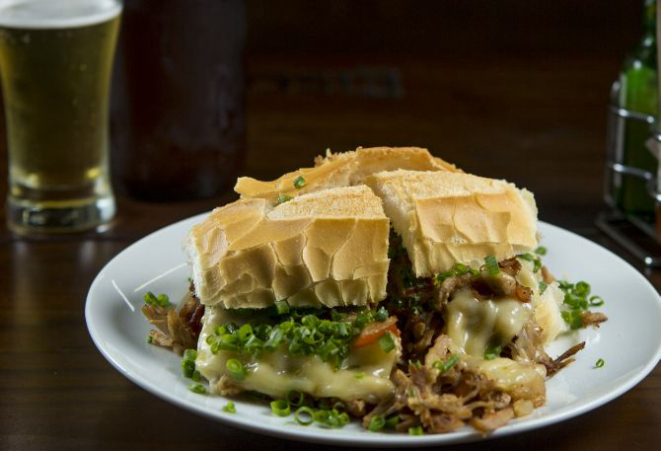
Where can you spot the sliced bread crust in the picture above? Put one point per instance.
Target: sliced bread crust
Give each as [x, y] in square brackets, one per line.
[343, 169]
[445, 218]
[326, 248]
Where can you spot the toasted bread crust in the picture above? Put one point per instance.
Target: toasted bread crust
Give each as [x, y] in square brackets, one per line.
[445, 218]
[328, 248]
[343, 169]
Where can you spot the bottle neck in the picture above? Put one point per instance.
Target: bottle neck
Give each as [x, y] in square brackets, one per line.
[649, 21]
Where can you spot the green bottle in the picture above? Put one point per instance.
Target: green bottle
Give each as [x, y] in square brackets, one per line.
[638, 92]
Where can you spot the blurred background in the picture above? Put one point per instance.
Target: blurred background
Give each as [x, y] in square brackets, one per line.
[513, 89]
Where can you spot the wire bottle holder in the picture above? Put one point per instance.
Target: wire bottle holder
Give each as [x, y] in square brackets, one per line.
[616, 171]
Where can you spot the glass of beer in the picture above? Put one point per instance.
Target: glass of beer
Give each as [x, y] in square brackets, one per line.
[56, 63]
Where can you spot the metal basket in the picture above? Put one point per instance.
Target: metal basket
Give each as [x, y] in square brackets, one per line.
[616, 171]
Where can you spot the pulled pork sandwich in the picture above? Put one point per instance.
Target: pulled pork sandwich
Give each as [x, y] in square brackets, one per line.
[383, 284]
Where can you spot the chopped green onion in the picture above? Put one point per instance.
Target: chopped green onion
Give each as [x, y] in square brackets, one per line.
[377, 423]
[299, 182]
[386, 342]
[163, 300]
[211, 339]
[446, 364]
[188, 367]
[416, 431]
[282, 307]
[596, 301]
[492, 352]
[344, 418]
[359, 375]
[537, 265]
[339, 406]
[197, 388]
[295, 398]
[236, 369]
[542, 287]
[574, 318]
[229, 407]
[282, 198]
[190, 354]
[196, 376]
[416, 364]
[150, 339]
[392, 422]
[381, 315]
[491, 265]
[281, 408]
[541, 250]
[150, 298]
[600, 363]
[304, 416]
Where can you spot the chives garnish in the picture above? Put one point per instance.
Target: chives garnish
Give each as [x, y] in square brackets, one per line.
[197, 388]
[196, 376]
[541, 250]
[386, 342]
[446, 364]
[282, 307]
[542, 287]
[190, 354]
[392, 422]
[491, 265]
[295, 398]
[339, 406]
[359, 375]
[377, 423]
[600, 363]
[492, 352]
[596, 301]
[304, 416]
[236, 369]
[150, 339]
[280, 407]
[381, 315]
[229, 407]
[282, 198]
[299, 182]
[188, 367]
[416, 431]
[150, 298]
[163, 300]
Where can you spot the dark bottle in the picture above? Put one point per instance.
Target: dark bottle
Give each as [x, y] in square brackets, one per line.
[638, 93]
[178, 98]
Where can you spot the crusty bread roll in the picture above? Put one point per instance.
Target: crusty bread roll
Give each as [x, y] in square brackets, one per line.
[344, 169]
[445, 218]
[326, 248]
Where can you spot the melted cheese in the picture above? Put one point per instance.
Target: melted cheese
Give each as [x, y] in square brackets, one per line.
[473, 324]
[547, 304]
[275, 374]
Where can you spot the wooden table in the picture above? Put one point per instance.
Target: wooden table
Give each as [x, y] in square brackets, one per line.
[537, 120]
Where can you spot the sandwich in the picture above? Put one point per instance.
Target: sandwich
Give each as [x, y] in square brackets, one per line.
[383, 284]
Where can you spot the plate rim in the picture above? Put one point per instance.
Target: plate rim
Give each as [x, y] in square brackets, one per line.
[381, 440]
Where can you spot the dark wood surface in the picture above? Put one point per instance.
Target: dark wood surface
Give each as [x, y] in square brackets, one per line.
[537, 119]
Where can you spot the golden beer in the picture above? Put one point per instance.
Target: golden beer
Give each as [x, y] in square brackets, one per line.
[56, 64]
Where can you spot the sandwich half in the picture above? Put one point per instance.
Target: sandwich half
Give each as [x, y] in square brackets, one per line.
[288, 290]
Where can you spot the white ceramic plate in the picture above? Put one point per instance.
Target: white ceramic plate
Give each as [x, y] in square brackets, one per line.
[629, 343]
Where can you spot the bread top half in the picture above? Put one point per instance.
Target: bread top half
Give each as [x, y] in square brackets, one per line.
[343, 169]
[326, 248]
[446, 218]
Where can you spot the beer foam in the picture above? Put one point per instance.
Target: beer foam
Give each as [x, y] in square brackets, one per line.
[36, 14]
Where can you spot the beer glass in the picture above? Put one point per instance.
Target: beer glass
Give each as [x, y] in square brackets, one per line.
[55, 63]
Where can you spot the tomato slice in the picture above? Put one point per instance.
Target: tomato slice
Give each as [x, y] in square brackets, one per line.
[373, 331]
